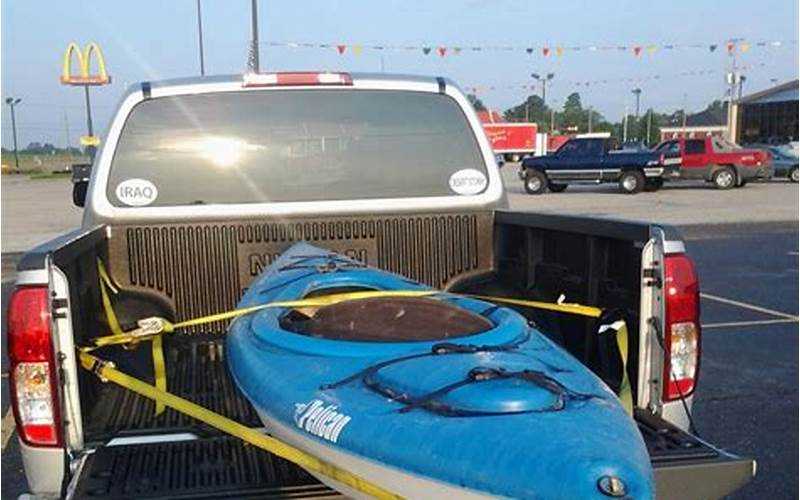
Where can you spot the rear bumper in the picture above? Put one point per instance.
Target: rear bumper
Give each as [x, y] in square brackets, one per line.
[44, 470]
[702, 479]
[688, 467]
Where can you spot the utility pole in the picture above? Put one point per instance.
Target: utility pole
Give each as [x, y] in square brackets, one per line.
[252, 61]
[732, 80]
[637, 92]
[200, 38]
[649, 124]
[590, 119]
[684, 115]
[625, 126]
[552, 120]
[742, 78]
[66, 135]
[11, 101]
[544, 79]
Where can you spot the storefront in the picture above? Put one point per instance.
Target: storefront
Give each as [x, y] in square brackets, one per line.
[769, 116]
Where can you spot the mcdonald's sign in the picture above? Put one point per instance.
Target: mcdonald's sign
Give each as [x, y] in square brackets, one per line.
[84, 77]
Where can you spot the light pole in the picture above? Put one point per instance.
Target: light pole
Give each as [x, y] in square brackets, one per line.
[200, 38]
[11, 101]
[252, 61]
[637, 92]
[544, 79]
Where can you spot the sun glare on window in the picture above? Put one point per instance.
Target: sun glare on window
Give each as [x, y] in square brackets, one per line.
[220, 151]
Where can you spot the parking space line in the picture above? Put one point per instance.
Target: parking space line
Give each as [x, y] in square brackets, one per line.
[734, 324]
[752, 307]
[8, 428]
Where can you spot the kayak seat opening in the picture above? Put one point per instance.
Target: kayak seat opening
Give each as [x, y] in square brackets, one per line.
[386, 319]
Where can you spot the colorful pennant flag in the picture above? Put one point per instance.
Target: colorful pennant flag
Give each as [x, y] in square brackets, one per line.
[545, 51]
[442, 51]
[341, 48]
[426, 50]
[559, 51]
[637, 50]
[357, 50]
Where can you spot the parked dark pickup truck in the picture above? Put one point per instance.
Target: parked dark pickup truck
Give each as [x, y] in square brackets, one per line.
[594, 160]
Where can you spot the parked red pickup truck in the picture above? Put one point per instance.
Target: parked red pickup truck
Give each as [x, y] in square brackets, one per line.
[716, 160]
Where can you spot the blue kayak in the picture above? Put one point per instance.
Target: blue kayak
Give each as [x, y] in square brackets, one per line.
[428, 396]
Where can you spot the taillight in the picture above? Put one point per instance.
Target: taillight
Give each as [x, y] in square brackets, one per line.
[682, 331]
[296, 78]
[32, 370]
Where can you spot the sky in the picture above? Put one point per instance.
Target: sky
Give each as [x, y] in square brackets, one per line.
[150, 40]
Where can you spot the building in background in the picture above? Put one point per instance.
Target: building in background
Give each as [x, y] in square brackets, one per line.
[768, 117]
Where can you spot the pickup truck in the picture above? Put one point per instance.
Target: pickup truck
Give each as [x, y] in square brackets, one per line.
[594, 160]
[713, 159]
[202, 182]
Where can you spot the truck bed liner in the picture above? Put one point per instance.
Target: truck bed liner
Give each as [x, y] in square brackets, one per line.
[195, 371]
[219, 467]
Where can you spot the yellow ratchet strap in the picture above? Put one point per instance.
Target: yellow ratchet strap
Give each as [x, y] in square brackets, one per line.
[107, 372]
[157, 347]
[152, 327]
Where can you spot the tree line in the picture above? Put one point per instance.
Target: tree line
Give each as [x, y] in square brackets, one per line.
[573, 117]
[45, 149]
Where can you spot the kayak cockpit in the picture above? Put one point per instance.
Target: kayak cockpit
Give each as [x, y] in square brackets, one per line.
[387, 319]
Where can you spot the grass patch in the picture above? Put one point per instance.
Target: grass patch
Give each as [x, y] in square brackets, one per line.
[48, 175]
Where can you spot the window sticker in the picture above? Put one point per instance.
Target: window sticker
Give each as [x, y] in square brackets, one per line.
[136, 192]
[467, 182]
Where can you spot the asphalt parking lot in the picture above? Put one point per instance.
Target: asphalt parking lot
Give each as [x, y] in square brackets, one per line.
[745, 245]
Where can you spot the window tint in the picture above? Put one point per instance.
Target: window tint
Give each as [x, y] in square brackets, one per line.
[580, 147]
[570, 148]
[295, 145]
[695, 146]
[594, 147]
[669, 147]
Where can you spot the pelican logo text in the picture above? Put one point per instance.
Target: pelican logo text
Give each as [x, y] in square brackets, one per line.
[84, 77]
[320, 419]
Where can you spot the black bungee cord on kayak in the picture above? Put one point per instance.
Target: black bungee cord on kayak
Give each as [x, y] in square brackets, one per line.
[436, 350]
[432, 402]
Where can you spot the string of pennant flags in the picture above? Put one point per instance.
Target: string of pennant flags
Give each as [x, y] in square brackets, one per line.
[476, 89]
[637, 50]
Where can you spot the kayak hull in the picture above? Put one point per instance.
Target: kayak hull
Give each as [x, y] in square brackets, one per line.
[523, 419]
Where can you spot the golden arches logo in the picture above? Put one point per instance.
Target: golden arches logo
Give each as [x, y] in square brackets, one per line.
[84, 66]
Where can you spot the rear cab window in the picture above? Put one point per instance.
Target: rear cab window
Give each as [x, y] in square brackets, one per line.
[294, 145]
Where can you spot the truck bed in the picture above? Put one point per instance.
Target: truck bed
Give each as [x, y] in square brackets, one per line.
[208, 464]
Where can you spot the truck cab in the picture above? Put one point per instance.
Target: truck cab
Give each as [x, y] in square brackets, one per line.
[202, 182]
